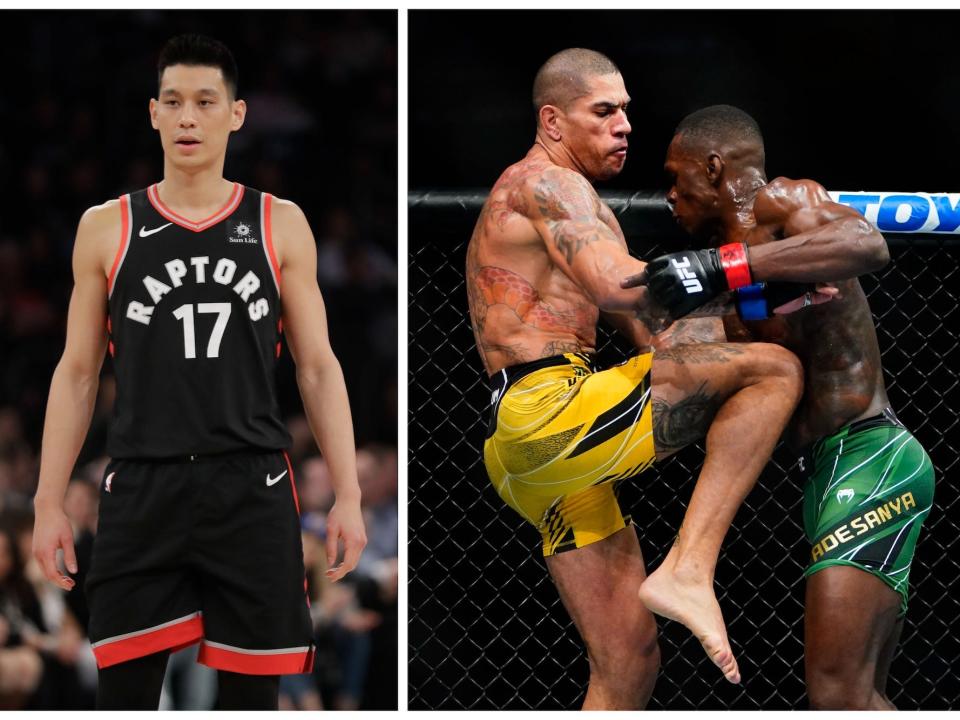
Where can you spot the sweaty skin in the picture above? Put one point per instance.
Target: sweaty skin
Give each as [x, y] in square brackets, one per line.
[545, 260]
[523, 306]
[836, 342]
[796, 233]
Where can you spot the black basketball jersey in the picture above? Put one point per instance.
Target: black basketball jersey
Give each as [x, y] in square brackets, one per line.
[194, 323]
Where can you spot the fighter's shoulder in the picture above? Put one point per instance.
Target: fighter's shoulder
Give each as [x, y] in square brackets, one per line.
[539, 189]
[551, 175]
[782, 197]
[561, 193]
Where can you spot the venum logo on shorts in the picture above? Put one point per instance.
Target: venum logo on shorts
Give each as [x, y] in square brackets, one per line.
[862, 523]
[845, 495]
[241, 234]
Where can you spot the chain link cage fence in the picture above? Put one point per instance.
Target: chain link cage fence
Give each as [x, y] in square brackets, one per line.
[486, 627]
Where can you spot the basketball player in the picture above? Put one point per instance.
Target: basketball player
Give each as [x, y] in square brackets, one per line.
[199, 537]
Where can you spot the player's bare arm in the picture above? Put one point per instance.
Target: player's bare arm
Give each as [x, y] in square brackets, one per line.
[583, 239]
[73, 390]
[821, 241]
[818, 241]
[320, 380]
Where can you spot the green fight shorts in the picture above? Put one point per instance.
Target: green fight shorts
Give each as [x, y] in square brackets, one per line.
[870, 489]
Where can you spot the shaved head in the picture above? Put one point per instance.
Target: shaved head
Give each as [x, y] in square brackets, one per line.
[564, 77]
[718, 124]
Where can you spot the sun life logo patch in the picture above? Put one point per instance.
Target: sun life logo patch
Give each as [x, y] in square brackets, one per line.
[241, 234]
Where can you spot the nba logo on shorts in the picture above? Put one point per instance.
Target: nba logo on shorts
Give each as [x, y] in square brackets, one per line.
[108, 483]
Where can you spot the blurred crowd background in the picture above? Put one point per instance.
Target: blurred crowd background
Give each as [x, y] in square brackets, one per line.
[322, 131]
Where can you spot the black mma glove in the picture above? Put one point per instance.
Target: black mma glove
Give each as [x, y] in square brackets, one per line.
[682, 282]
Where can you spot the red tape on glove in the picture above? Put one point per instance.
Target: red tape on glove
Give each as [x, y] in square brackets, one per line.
[735, 264]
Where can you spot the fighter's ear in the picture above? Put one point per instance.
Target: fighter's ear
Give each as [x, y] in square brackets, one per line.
[549, 116]
[714, 168]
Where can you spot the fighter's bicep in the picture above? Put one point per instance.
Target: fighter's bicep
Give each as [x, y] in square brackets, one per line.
[565, 210]
[806, 219]
[583, 248]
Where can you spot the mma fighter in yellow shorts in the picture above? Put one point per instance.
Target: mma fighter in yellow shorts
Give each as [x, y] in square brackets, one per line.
[545, 260]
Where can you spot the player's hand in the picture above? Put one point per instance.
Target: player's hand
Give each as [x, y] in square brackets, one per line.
[345, 521]
[52, 532]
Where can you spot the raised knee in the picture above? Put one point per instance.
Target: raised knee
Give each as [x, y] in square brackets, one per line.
[773, 361]
[834, 690]
[785, 363]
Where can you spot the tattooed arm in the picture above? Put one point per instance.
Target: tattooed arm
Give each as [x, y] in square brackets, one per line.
[578, 231]
[566, 212]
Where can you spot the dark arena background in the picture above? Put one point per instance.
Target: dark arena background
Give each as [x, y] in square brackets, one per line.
[321, 130]
[855, 100]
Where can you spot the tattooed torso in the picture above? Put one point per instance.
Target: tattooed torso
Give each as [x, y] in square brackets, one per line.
[522, 305]
[835, 341]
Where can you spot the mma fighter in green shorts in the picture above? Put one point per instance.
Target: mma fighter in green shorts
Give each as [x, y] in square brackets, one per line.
[870, 483]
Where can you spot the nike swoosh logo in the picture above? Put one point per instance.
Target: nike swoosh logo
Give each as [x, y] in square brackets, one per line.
[147, 233]
[274, 481]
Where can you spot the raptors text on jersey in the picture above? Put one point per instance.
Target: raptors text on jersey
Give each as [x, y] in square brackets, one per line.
[194, 323]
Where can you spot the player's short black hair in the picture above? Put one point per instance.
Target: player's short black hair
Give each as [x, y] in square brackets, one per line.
[723, 123]
[562, 78]
[195, 50]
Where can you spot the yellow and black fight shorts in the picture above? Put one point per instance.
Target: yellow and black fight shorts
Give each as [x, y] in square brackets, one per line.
[562, 434]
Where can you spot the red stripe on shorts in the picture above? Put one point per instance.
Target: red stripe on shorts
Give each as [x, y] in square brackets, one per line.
[172, 637]
[262, 663]
[293, 485]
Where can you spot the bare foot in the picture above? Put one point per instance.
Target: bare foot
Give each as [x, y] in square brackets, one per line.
[694, 605]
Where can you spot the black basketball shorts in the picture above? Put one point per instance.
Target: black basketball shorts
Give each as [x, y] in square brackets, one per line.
[201, 550]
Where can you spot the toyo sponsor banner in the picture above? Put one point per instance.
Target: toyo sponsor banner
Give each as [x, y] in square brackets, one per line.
[906, 212]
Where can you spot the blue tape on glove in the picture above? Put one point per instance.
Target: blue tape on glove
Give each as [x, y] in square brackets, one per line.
[752, 302]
